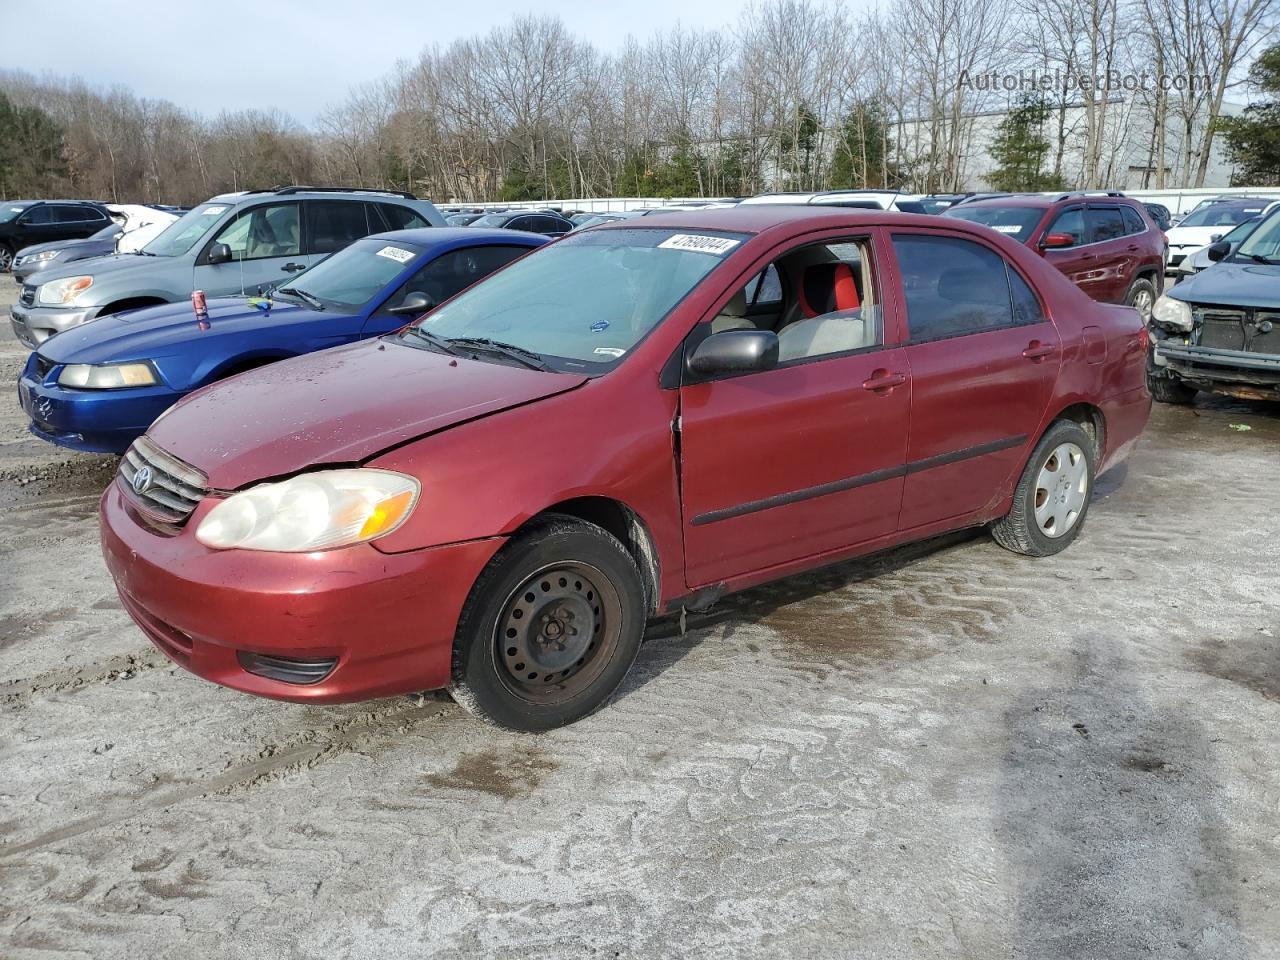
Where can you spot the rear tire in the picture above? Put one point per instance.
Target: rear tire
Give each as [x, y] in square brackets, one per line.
[551, 627]
[1052, 496]
[1165, 389]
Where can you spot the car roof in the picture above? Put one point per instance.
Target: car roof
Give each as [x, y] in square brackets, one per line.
[761, 217]
[460, 236]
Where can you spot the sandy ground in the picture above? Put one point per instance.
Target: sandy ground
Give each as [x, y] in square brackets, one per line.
[949, 751]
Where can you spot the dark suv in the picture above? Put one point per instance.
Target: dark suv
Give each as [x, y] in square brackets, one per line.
[1105, 243]
[24, 223]
[536, 221]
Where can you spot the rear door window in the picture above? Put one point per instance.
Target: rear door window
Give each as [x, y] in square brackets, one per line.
[69, 214]
[333, 224]
[1105, 223]
[952, 286]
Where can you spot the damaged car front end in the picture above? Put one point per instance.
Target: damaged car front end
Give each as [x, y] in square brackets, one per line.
[1220, 330]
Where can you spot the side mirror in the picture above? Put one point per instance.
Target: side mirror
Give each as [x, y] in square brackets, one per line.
[219, 253]
[1219, 251]
[735, 351]
[413, 303]
[1056, 241]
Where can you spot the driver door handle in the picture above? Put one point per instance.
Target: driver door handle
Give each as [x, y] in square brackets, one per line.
[883, 380]
[293, 267]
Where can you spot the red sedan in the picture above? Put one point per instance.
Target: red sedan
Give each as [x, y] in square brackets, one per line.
[640, 417]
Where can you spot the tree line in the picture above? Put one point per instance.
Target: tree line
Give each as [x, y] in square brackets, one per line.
[798, 94]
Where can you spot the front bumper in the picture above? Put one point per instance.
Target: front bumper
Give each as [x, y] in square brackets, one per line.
[1233, 371]
[387, 619]
[95, 421]
[34, 325]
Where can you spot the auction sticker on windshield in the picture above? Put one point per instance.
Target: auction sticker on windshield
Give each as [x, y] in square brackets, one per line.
[397, 254]
[1005, 227]
[716, 246]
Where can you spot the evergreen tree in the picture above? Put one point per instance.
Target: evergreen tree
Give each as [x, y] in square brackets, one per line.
[1021, 148]
[1253, 138]
[31, 163]
[860, 154]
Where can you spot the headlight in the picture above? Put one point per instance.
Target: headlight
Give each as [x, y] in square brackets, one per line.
[314, 511]
[41, 257]
[58, 292]
[1171, 313]
[110, 376]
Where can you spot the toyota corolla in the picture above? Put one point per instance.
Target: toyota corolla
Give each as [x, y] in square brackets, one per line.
[634, 420]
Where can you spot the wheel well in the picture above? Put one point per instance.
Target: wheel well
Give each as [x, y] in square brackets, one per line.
[625, 524]
[133, 303]
[1090, 419]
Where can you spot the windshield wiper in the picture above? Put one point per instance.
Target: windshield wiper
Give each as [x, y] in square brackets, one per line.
[530, 359]
[440, 343]
[312, 300]
[1259, 258]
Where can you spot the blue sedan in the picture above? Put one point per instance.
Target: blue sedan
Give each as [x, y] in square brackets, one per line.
[98, 386]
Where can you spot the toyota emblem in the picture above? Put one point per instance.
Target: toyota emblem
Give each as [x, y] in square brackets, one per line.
[141, 481]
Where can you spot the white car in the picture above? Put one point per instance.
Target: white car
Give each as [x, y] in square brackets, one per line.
[1210, 222]
[141, 224]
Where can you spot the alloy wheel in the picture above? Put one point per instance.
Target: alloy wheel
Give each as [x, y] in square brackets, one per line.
[1062, 489]
[1143, 302]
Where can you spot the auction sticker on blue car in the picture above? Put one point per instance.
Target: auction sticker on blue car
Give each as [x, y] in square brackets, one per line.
[716, 246]
[398, 254]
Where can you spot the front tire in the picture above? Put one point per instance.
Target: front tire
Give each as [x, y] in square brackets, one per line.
[1168, 390]
[1052, 496]
[6, 258]
[1142, 297]
[551, 627]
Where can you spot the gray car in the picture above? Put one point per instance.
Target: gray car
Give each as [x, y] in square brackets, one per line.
[235, 243]
[52, 256]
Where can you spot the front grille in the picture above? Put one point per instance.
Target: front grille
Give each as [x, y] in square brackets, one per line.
[171, 488]
[1224, 328]
[43, 366]
[28, 295]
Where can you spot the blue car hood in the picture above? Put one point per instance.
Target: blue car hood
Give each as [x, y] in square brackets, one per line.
[154, 332]
[1228, 283]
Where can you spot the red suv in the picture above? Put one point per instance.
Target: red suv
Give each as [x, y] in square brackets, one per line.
[497, 497]
[1106, 243]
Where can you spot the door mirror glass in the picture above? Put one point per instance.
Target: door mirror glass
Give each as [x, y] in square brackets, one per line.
[1219, 251]
[735, 351]
[219, 253]
[413, 303]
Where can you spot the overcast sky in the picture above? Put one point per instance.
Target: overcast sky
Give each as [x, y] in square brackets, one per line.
[208, 55]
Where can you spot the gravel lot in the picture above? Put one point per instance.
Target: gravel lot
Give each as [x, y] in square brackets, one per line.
[948, 751]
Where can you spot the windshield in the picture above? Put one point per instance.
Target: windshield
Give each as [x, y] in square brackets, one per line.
[10, 210]
[355, 275]
[1017, 222]
[1263, 240]
[1221, 215]
[542, 304]
[185, 232]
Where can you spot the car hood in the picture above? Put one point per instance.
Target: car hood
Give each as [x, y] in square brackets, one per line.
[115, 263]
[154, 332]
[86, 244]
[338, 406]
[1233, 284]
[1196, 236]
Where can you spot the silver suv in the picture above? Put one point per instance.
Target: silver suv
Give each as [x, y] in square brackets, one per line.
[236, 243]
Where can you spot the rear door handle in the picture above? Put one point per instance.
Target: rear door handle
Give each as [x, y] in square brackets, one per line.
[1037, 351]
[293, 267]
[883, 380]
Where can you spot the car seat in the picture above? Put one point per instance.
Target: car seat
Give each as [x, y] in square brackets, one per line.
[834, 320]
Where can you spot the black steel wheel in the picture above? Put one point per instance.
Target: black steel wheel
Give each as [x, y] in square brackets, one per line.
[550, 628]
